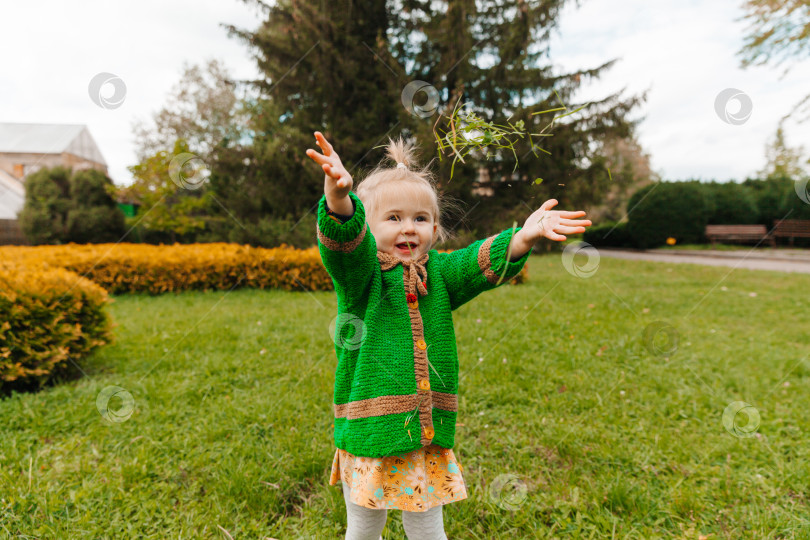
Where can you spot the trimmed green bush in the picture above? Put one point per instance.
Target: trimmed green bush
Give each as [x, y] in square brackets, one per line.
[770, 197]
[667, 209]
[793, 203]
[608, 234]
[730, 203]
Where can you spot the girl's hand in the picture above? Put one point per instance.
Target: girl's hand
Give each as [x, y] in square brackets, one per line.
[337, 181]
[550, 223]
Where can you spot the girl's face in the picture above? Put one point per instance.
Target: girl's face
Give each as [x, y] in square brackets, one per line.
[402, 220]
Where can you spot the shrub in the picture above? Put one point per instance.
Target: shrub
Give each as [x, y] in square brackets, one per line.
[63, 206]
[608, 234]
[730, 203]
[768, 196]
[43, 218]
[93, 216]
[46, 317]
[667, 209]
[143, 268]
[791, 201]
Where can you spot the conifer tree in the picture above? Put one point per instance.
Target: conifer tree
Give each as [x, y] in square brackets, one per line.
[320, 73]
[342, 67]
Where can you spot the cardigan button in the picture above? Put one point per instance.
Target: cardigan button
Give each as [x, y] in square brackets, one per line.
[421, 344]
[424, 384]
[429, 433]
[413, 305]
[410, 298]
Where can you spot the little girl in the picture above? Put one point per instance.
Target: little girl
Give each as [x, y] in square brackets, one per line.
[396, 381]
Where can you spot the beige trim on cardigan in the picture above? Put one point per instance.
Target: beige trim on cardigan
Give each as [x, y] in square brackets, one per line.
[381, 405]
[343, 247]
[485, 261]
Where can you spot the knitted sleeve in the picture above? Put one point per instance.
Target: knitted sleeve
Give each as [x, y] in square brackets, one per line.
[347, 249]
[479, 267]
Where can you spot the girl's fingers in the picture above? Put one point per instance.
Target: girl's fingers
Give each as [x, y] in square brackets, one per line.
[318, 158]
[574, 222]
[324, 149]
[548, 204]
[323, 143]
[569, 230]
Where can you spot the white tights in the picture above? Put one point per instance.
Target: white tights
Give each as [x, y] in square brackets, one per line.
[367, 523]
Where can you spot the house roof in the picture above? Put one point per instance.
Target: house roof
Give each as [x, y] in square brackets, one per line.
[49, 139]
[12, 196]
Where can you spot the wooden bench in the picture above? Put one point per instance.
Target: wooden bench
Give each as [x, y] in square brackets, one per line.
[740, 233]
[791, 228]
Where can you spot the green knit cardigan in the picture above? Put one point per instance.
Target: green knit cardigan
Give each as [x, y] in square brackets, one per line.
[396, 381]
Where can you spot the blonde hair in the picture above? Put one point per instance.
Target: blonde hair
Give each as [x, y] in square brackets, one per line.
[385, 177]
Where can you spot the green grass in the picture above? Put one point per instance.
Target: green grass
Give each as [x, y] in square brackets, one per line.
[622, 444]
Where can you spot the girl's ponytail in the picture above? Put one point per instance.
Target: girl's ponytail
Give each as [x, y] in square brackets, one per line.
[401, 151]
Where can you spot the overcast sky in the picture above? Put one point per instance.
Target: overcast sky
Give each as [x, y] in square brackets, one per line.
[682, 50]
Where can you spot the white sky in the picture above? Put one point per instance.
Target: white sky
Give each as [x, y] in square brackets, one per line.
[683, 50]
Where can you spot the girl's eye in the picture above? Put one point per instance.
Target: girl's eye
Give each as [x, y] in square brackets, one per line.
[423, 218]
[393, 217]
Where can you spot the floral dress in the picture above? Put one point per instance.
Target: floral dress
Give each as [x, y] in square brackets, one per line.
[414, 481]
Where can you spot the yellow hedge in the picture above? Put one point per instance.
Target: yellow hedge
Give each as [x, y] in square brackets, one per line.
[144, 268]
[46, 317]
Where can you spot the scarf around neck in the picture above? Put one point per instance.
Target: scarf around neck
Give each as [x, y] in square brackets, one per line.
[414, 270]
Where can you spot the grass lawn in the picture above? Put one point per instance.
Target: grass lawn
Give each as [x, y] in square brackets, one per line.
[559, 392]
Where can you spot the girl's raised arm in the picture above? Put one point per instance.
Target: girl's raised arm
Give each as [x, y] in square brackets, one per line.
[346, 245]
[488, 263]
[479, 267]
[337, 182]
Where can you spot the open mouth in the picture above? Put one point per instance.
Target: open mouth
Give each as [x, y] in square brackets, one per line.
[406, 246]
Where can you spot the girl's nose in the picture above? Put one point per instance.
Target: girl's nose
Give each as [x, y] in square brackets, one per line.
[407, 225]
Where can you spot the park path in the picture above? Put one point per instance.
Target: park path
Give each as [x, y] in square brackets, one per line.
[776, 259]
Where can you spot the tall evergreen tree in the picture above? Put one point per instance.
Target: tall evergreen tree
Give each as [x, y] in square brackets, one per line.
[342, 68]
[320, 73]
[495, 54]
